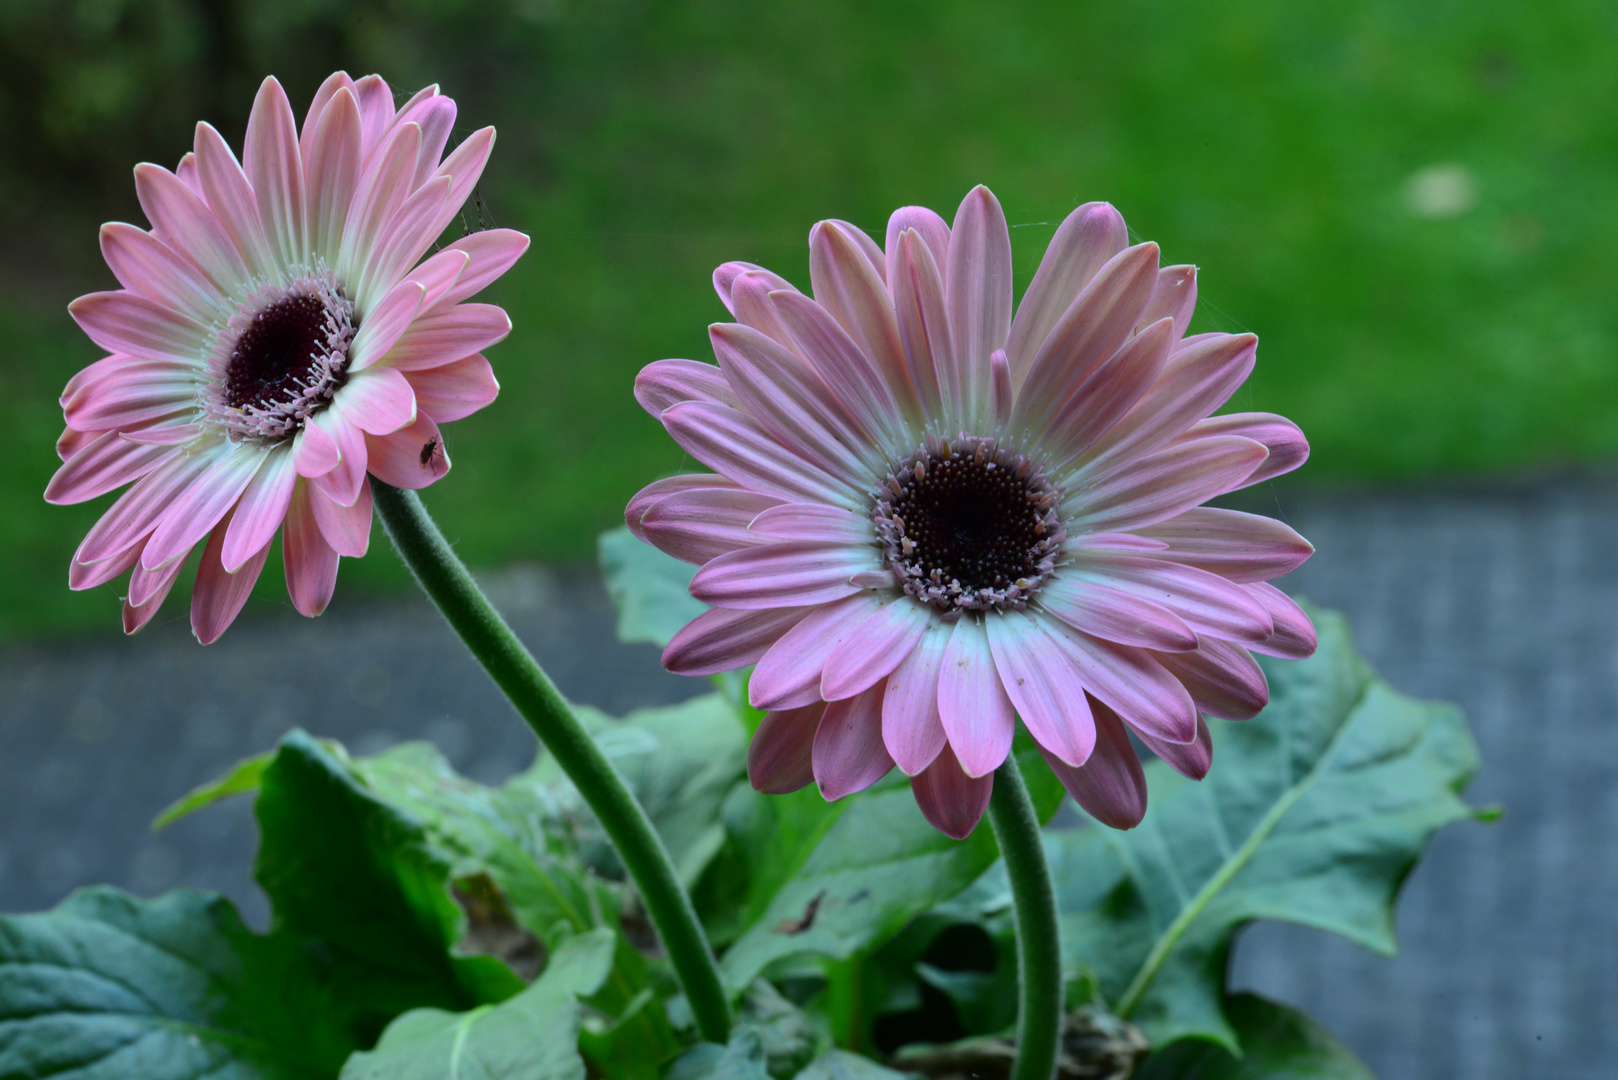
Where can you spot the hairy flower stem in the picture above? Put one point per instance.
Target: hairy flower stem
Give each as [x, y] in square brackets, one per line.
[445, 578]
[1039, 945]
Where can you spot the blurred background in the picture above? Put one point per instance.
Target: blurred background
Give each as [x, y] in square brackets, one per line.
[1414, 204]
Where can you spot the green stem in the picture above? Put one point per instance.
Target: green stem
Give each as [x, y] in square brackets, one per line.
[445, 578]
[1039, 944]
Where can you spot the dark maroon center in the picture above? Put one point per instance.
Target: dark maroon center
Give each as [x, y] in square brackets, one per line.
[277, 356]
[971, 519]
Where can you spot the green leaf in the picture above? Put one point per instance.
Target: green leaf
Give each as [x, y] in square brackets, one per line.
[177, 988]
[1314, 812]
[741, 1059]
[842, 1065]
[531, 1036]
[1278, 1043]
[649, 588]
[837, 879]
[241, 779]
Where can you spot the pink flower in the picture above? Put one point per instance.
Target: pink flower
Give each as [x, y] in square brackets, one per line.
[931, 517]
[274, 342]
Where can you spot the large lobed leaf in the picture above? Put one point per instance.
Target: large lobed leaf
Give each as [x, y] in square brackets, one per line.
[649, 589]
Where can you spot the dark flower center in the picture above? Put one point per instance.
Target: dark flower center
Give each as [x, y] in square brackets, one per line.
[277, 355]
[968, 525]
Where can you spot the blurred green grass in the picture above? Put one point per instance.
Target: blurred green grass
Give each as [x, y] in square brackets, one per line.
[1274, 144]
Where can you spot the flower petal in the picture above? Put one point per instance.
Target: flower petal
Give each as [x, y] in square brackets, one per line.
[332, 164]
[1107, 395]
[145, 265]
[82, 576]
[383, 186]
[663, 384]
[137, 511]
[1222, 678]
[731, 443]
[849, 284]
[147, 591]
[1162, 485]
[123, 322]
[1132, 683]
[456, 390]
[1111, 786]
[811, 521]
[403, 241]
[788, 674]
[924, 333]
[724, 639]
[218, 597]
[697, 526]
[202, 505]
[311, 564]
[779, 757]
[106, 463]
[1174, 297]
[343, 482]
[1192, 759]
[661, 489]
[780, 574]
[726, 276]
[859, 388]
[315, 451]
[347, 528]
[379, 401]
[912, 729]
[263, 506]
[274, 166]
[385, 325]
[412, 457]
[446, 334]
[873, 649]
[1294, 636]
[1043, 684]
[848, 755]
[493, 252]
[977, 715]
[931, 230]
[977, 290]
[1208, 603]
[1285, 442]
[1083, 244]
[182, 221]
[952, 801]
[231, 199]
[1235, 545]
[1089, 604]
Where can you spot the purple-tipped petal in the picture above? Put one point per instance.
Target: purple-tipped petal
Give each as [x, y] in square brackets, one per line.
[788, 573]
[1294, 636]
[806, 521]
[1098, 609]
[1235, 545]
[663, 384]
[697, 526]
[274, 167]
[725, 639]
[456, 390]
[1083, 244]
[931, 229]
[1131, 681]
[788, 674]
[1222, 678]
[412, 457]
[733, 444]
[873, 649]
[1280, 436]
[311, 564]
[1159, 486]
[1174, 297]
[848, 753]
[347, 528]
[107, 463]
[1208, 603]
[850, 286]
[779, 757]
[977, 290]
[219, 596]
[258, 515]
[1192, 759]
[1106, 396]
[662, 489]
[923, 321]
[1110, 785]
[952, 801]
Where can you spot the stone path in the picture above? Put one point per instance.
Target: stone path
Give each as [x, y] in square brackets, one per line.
[1506, 602]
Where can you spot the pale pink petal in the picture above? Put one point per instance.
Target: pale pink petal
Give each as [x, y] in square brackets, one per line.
[411, 457]
[1285, 442]
[435, 114]
[332, 163]
[1175, 297]
[874, 648]
[181, 220]
[385, 325]
[347, 528]
[89, 575]
[1159, 486]
[493, 252]
[809, 521]
[977, 715]
[311, 564]
[323, 97]
[145, 265]
[231, 199]
[1096, 608]
[448, 333]
[1001, 398]
[1093, 328]
[725, 277]
[849, 284]
[1198, 378]
[977, 288]
[343, 482]
[931, 229]
[1192, 759]
[912, 729]
[723, 639]
[315, 451]
[788, 675]
[951, 800]
[663, 384]
[274, 166]
[860, 389]
[463, 167]
[438, 275]
[138, 510]
[779, 757]
[186, 170]
[202, 505]
[456, 390]
[697, 526]
[1222, 678]
[379, 401]
[263, 505]
[1107, 395]
[924, 333]
[1083, 244]
[661, 489]
[750, 296]
[869, 250]
[731, 443]
[218, 597]
[166, 434]
[1111, 786]
[122, 322]
[780, 574]
[1132, 683]
[383, 186]
[848, 754]
[134, 394]
[1208, 603]
[147, 591]
[1294, 636]
[1043, 684]
[1235, 545]
[408, 235]
[376, 111]
[105, 464]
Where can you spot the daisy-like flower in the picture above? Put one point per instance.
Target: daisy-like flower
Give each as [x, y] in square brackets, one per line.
[274, 343]
[930, 516]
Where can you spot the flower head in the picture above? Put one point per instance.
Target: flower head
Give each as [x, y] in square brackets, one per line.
[931, 515]
[274, 343]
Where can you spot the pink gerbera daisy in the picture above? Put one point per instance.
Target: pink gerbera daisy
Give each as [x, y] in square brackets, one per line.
[931, 517]
[275, 342]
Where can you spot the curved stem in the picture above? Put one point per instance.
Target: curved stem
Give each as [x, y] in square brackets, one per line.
[1039, 945]
[445, 578]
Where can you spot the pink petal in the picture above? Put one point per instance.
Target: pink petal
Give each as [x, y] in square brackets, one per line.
[977, 288]
[725, 277]
[779, 757]
[1093, 328]
[385, 325]
[1207, 602]
[448, 333]
[122, 322]
[342, 483]
[977, 715]
[1198, 378]
[1083, 244]
[263, 505]
[661, 489]
[1174, 297]
[924, 333]
[311, 564]
[1161, 485]
[463, 167]
[723, 639]
[438, 275]
[859, 388]
[315, 451]
[383, 186]
[1111, 786]
[274, 167]
[750, 297]
[218, 597]
[1294, 636]
[869, 250]
[147, 591]
[1000, 392]
[138, 510]
[1235, 545]
[231, 199]
[181, 220]
[107, 463]
[1222, 678]
[166, 434]
[202, 505]
[731, 443]
[411, 457]
[1192, 759]
[1132, 683]
[376, 111]
[403, 241]
[317, 108]
[347, 528]
[435, 114]
[332, 163]
[912, 729]
[379, 401]
[456, 390]
[663, 384]
[930, 228]
[134, 394]
[149, 267]
[810, 521]
[697, 526]
[1285, 442]
[493, 252]
[1090, 605]
[787, 573]
[874, 648]
[1107, 396]
[849, 284]
[848, 754]
[82, 576]
[951, 800]
[1043, 684]
[788, 675]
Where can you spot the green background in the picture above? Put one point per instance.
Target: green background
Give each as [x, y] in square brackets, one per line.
[1279, 146]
